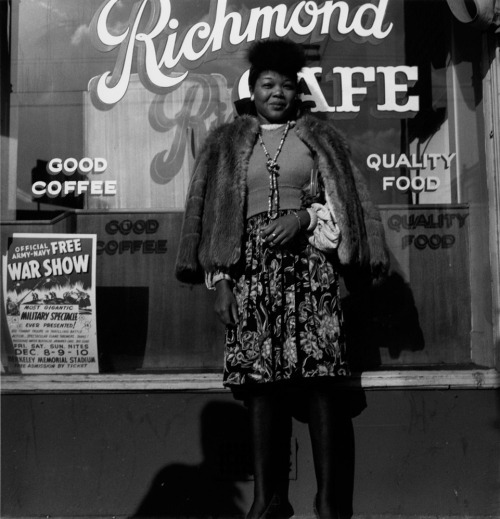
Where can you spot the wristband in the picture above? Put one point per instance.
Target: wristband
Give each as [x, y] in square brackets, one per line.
[298, 219]
[212, 278]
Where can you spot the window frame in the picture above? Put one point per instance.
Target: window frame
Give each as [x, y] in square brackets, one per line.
[491, 97]
[475, 378]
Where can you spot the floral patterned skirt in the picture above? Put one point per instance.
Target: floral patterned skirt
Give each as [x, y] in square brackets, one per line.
[290, 322]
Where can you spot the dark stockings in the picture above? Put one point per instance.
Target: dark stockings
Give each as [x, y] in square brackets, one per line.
[332, 440]
[271, 428]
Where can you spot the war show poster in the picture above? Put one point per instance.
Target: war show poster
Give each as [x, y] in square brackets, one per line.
[49, 293]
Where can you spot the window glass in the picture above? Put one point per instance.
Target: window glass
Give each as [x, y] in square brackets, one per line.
[104, 125]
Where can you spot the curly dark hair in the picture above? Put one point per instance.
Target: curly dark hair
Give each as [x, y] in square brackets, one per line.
[283, 56]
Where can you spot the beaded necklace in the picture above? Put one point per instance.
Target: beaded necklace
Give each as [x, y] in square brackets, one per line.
[273, 168]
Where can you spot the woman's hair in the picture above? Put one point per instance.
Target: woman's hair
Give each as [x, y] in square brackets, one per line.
[283, 56]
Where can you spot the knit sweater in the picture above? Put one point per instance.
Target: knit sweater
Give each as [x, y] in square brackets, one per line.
[295, 163]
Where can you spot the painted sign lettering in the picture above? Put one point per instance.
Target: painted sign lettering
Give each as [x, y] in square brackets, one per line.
[428, 225]
[132, 246]
[160, 46]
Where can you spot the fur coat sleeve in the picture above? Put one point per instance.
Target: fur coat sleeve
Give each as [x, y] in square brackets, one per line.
[214, 218]
[375, 234]
[362, 233]
[188, 268]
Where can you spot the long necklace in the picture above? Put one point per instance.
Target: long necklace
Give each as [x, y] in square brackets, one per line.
[273, 168]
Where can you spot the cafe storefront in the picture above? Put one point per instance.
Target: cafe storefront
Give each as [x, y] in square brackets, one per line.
[111, 384]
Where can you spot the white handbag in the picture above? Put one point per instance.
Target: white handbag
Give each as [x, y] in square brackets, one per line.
[326, 234]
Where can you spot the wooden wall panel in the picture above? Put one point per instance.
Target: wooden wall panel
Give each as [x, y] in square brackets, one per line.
[147, 320]
[150, 141]
[137, 288]
[430, 248]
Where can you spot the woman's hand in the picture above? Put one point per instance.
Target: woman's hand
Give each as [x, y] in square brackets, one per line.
[225, 303]
[285, 228]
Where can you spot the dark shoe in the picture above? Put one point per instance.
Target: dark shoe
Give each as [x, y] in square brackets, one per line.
[339, 515]
[276, 509]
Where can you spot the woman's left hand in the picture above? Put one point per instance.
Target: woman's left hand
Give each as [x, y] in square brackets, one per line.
[282, 230]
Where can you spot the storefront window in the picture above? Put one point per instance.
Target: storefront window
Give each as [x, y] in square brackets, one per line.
[87, 156]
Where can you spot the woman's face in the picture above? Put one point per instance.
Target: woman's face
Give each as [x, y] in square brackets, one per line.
[274, 97]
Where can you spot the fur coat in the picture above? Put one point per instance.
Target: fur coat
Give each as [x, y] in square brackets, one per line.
[214, 220]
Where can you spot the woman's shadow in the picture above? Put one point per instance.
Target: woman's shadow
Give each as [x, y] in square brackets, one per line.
[381, 315]
[210, 488]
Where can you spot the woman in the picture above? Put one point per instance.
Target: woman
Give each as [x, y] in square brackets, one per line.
[245, 231]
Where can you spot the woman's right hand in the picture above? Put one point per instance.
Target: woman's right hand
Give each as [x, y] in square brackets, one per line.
[225, 303]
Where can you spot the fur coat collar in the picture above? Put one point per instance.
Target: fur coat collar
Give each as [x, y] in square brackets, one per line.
[214, 219]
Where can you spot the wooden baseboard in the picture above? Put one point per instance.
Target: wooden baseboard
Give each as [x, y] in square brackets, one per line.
[210, 382]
